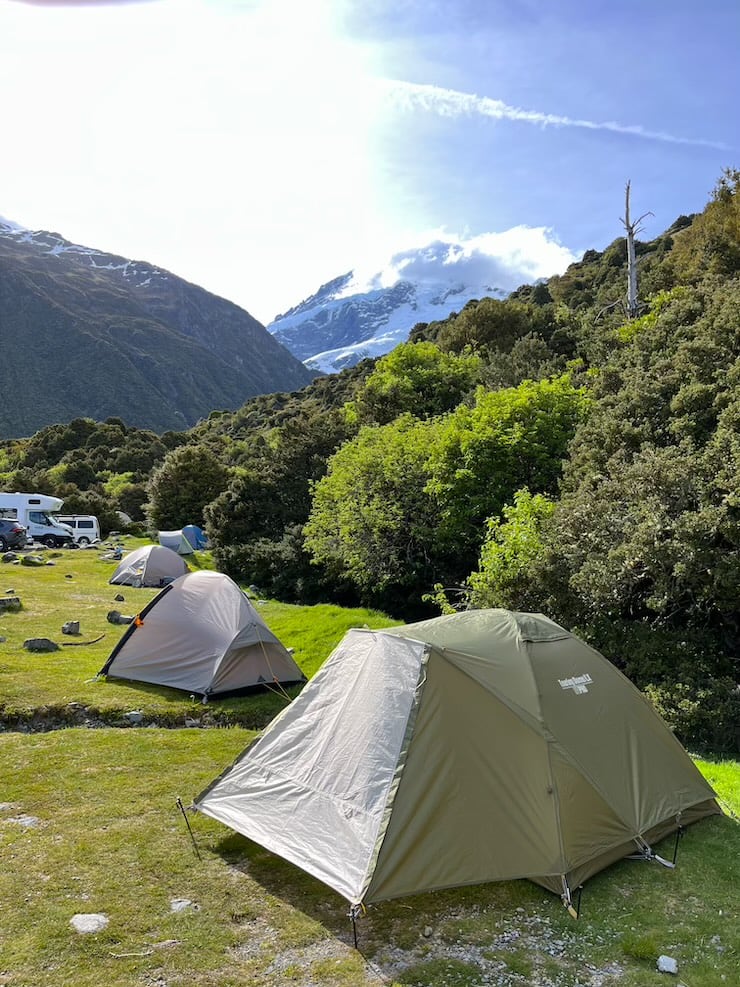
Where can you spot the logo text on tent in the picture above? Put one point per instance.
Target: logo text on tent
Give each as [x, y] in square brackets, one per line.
[577, 683]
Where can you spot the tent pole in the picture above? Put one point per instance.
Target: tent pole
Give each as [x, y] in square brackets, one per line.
[566, 898]
[187, 823]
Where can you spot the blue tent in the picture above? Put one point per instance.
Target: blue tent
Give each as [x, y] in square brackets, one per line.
[196, 536]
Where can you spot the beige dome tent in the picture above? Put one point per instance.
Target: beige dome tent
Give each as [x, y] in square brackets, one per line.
[150, 565]
[482, 746]
[202, 634]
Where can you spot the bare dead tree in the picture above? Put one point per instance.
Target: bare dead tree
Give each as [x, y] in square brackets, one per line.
[632, 230]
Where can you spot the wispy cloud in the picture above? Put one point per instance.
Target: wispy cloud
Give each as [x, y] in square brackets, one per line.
[451, 103]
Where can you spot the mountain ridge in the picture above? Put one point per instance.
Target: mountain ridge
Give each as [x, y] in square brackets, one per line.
[102, 335]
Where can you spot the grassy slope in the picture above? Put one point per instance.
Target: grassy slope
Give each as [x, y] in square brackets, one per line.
[108, 838]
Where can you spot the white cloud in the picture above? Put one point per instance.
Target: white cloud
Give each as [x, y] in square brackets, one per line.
[451, 103]
[499, 260]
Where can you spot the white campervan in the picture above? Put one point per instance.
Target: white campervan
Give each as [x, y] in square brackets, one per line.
[85, 527]
[36, 513]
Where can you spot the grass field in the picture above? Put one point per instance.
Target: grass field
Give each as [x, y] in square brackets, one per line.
[40, 687]
[89, 824]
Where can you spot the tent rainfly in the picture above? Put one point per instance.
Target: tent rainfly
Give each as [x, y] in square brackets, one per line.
[481, 746]
[202, 634]
[150, 565]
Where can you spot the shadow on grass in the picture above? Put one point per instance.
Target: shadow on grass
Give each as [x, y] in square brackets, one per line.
[252, 708]
[703, 881]
[160, 706]
[399, 923]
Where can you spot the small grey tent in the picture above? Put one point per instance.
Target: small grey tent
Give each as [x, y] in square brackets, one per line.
[150, 565]
[202, 634]
[482, 746]
[176, 541]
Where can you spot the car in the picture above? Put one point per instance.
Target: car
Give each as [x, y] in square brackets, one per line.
[12, 534]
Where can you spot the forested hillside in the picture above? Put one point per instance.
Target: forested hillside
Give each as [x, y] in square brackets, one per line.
[543, 452]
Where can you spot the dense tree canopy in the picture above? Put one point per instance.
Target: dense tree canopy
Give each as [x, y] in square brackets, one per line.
[187, 480]
[372, 520]
[418, 378]
[512, 438]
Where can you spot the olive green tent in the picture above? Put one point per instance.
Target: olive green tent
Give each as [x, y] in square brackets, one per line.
[483, 746]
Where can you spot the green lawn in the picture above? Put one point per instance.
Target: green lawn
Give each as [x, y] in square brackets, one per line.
[76, 587]
[89, 823]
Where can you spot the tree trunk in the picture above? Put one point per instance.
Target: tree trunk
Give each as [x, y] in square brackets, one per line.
[632, 305]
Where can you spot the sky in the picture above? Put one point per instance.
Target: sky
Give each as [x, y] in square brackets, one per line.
[260, 148]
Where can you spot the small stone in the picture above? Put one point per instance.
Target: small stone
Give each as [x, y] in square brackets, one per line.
[191, 723]
[119, 597]
[666, 964]
[71, 627]
[68, 576]
[10, 603]
[40, 644]
[3, 639]
[91, 922]
[181, 904]
[28, 822]
[32, 560]
[134, 717]
[10, 592]
[427, 931]
[10, 557]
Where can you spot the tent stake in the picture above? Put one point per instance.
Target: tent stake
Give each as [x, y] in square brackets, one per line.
[353, 912]
[679, 834]
[578, 902]
[187, 823]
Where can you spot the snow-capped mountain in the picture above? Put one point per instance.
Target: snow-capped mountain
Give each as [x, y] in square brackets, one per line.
[337, 327]
[355, 316]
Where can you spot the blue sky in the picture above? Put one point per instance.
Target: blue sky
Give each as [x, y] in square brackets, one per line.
[262, 148]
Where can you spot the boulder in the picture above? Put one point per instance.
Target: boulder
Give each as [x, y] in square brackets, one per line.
[40, 644]
[114, 617]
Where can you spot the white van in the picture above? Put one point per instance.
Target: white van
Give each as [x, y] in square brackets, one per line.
[36, 513]
[85, 527]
